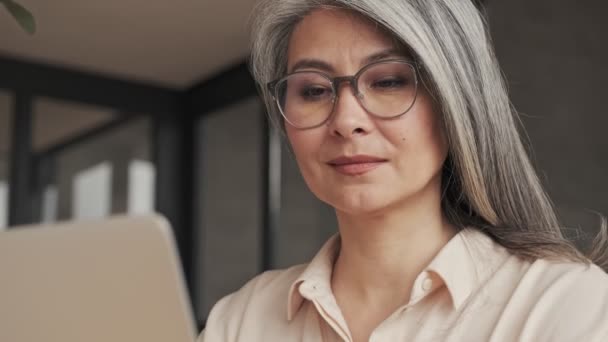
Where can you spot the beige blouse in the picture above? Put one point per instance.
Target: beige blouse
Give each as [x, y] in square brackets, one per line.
[473, 290]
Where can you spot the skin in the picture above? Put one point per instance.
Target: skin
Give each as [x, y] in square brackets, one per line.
[390, 219]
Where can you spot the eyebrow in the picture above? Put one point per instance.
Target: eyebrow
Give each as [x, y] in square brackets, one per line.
[324, 66]
[312, 64]
[392, 52]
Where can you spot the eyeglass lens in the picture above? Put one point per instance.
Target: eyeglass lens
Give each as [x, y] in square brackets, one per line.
[386, 89]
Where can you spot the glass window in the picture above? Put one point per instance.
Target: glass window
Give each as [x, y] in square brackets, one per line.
[5, 154]
[3, 204]
[142, 175]
[91, 162]
[92, 191]
[50, 198]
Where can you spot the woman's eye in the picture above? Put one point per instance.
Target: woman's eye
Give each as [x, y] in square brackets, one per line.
[389, 83]
[313, 93]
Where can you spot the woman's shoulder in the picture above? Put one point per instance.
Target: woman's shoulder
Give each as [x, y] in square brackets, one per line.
[263, 296]
[569, 276]
[565, 300]
[555, 282]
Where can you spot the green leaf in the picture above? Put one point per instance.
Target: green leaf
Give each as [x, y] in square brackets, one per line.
[22, 15]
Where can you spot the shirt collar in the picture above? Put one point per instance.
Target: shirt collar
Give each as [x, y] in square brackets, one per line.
[316, 275]
[465, 262]
[462, 265]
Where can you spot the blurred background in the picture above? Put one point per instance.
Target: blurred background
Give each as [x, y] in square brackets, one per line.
[137, 106]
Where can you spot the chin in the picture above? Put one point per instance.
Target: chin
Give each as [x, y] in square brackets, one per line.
[360, 204]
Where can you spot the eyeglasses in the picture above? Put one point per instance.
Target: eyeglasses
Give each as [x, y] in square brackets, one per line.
[386, 89]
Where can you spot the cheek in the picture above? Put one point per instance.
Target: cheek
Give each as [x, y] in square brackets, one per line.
[297, 141]
[427, 126]
[419, 140]
[436, 135]
[431, 132]
[305, 146]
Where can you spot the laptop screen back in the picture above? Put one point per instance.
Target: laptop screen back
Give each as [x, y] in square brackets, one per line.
[114, 280]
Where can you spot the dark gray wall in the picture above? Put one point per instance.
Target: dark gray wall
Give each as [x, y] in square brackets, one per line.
[227, 206]
[555, 57]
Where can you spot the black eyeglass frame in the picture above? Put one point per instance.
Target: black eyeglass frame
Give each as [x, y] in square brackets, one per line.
[353, 81]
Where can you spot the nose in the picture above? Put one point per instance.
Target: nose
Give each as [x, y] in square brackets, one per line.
[349, 118]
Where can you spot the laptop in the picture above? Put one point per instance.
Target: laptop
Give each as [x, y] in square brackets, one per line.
[115, 280]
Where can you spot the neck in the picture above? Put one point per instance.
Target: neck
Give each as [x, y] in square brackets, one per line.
[382, 254]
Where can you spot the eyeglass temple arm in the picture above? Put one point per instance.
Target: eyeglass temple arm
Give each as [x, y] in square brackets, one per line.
[270, 86]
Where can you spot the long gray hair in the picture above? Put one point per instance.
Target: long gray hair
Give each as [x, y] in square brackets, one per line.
[488, 180]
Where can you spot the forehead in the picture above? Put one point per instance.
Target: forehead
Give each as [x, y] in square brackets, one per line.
[328, 34]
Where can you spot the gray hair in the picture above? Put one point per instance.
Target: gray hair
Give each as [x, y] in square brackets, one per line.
[488, 180]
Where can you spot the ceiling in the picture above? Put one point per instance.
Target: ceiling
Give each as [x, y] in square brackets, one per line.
[169, 43]
[173, 44]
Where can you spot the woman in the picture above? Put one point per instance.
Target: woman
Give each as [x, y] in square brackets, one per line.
[398, 118]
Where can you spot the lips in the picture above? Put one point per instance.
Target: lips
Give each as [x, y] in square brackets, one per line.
[356, 165]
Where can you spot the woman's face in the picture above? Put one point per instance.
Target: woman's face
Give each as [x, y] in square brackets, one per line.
[358, 163]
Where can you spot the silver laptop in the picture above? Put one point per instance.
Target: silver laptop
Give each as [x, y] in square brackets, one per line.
[117, 280]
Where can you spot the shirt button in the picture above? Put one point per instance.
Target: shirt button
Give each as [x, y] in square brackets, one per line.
[427, 284]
